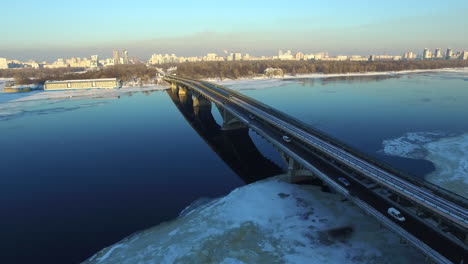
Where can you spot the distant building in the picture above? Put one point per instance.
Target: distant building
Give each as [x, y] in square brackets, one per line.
[427, 54]
[116, 56]
[464, 55]
[449, 54]
[94, 61]
[358, 58]
[438, 53]
[285, 56]
[299, 56]
[125, 57]
[110, 83]
[341, 58]
[237, 56]
[409, 55]
[210, 57]
[3, 63]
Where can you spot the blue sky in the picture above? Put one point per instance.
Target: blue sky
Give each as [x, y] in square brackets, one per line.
[48, 29]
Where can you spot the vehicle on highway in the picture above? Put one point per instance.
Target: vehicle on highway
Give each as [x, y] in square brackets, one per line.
[251, 116]
[344, 181]
[286, 139]
[396, 214]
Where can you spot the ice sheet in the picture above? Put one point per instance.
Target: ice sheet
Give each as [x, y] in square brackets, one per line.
[265, 222]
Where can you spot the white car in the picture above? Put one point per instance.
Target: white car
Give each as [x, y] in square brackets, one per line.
[344, 181]
[286, 139]
[396, 214]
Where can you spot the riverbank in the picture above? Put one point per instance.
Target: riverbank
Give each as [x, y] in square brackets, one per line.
[244, 80]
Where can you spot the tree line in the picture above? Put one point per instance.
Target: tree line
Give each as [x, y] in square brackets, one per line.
[239, 69]
[126, 73]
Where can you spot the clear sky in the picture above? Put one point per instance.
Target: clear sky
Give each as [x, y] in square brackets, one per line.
[47, 29]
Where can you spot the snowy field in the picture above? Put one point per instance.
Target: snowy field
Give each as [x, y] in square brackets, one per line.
[265, 222]
[448, 153]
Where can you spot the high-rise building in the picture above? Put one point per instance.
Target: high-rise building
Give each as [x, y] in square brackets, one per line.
[125, 57]
[94, 61]
[115, 55]
[427, 54]
[237, 56]
[409, 55]
[464, 55]
[449, 54]
[438, 53]
[299, 56]
[3, 63]
[210, 57]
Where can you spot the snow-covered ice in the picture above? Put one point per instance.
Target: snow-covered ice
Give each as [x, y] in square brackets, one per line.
[265, 222]
[448, 152]
[18, 104]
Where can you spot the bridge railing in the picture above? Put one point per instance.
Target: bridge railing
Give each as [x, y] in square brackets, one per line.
[455, 198]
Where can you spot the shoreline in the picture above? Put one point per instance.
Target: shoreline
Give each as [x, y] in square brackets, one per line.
[74, 94]
[330, 75]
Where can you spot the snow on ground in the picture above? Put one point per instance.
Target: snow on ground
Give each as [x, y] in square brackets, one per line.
[265, 82]
[448, 153]
[265, 222]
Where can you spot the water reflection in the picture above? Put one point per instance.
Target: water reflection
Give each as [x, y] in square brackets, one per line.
[234, 147]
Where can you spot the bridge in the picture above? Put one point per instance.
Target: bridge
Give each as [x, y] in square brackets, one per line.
[435, 221]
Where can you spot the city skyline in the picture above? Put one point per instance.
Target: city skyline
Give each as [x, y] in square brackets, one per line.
[123, 57]
[249, 27]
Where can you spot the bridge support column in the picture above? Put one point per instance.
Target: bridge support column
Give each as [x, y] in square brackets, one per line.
[200, 101]
[296, 172]
[200, 104]
[183, 91]
[230, 122]
[174, 88]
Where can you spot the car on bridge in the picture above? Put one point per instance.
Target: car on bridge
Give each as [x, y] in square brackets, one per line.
[344, 181]
[286, 139]
[396, 214]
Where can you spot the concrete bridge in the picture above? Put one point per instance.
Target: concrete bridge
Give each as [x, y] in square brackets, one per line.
[435, 221]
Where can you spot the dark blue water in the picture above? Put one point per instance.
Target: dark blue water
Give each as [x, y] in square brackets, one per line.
[364, 111]
[76, 176]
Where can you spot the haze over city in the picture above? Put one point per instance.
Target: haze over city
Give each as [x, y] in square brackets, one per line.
[57, 29]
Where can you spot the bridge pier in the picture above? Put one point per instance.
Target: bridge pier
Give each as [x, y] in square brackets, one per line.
[200, 103]
[296, 172]
[174, 88]
[230, 122]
